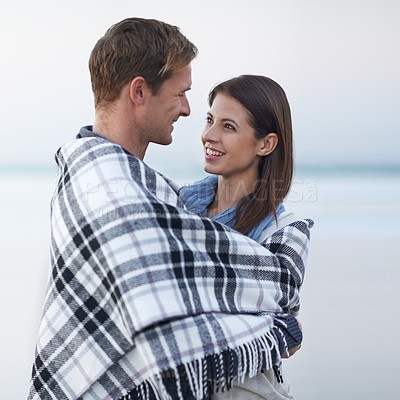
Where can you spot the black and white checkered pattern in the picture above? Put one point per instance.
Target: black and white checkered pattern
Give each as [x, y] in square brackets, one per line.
[140, 286]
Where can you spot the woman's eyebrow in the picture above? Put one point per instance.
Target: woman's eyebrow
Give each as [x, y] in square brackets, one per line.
[230, 120]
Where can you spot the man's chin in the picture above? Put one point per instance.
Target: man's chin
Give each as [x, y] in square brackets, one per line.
[165, 142]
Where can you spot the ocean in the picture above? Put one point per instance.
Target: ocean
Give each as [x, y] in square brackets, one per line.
[349, 310]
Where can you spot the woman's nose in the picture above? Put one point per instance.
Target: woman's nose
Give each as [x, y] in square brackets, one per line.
[209, 134]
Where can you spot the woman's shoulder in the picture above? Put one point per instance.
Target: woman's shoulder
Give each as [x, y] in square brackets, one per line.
[198, 195]
[285, 218]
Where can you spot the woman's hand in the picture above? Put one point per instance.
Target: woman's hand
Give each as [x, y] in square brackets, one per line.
[293, 349]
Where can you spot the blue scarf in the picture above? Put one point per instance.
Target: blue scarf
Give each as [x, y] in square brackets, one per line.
[198, 196]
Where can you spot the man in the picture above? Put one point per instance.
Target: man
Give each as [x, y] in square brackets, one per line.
[145, 299]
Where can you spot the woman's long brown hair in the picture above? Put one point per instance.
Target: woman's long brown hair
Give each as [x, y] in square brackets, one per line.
[269, 112]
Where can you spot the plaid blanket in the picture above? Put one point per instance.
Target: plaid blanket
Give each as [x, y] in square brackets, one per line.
[147, 300]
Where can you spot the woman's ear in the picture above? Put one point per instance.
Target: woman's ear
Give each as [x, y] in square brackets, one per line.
[268, 144]
[138, 89]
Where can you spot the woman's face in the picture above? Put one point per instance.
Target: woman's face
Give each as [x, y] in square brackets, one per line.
[230, 146]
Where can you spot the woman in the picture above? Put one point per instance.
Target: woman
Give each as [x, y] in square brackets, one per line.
[248, 150]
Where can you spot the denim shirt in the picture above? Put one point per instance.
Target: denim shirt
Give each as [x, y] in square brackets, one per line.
[197, 197]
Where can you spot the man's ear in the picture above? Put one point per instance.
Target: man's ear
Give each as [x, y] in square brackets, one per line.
[138, 89]
[268, 144]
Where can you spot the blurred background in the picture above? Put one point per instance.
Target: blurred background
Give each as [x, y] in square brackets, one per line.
[338, 62]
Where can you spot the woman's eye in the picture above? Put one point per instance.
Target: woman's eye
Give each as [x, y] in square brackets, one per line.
[209, 120]
[230, 127]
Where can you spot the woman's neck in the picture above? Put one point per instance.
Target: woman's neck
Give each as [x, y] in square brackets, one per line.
[228, 194]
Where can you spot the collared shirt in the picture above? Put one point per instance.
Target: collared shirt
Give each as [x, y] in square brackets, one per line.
[199, 195]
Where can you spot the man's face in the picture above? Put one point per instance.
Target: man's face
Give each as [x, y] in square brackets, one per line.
[165, 108]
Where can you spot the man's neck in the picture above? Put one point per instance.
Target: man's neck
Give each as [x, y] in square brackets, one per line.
[114, 127]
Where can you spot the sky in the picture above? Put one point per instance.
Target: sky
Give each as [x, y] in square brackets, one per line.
[337, 60]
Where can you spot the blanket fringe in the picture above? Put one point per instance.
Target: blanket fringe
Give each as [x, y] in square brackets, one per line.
[199, 379]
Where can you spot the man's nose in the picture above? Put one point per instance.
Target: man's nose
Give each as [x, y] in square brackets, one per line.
[185, 107]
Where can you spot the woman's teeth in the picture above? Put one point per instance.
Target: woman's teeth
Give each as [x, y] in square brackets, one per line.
[214, 153]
